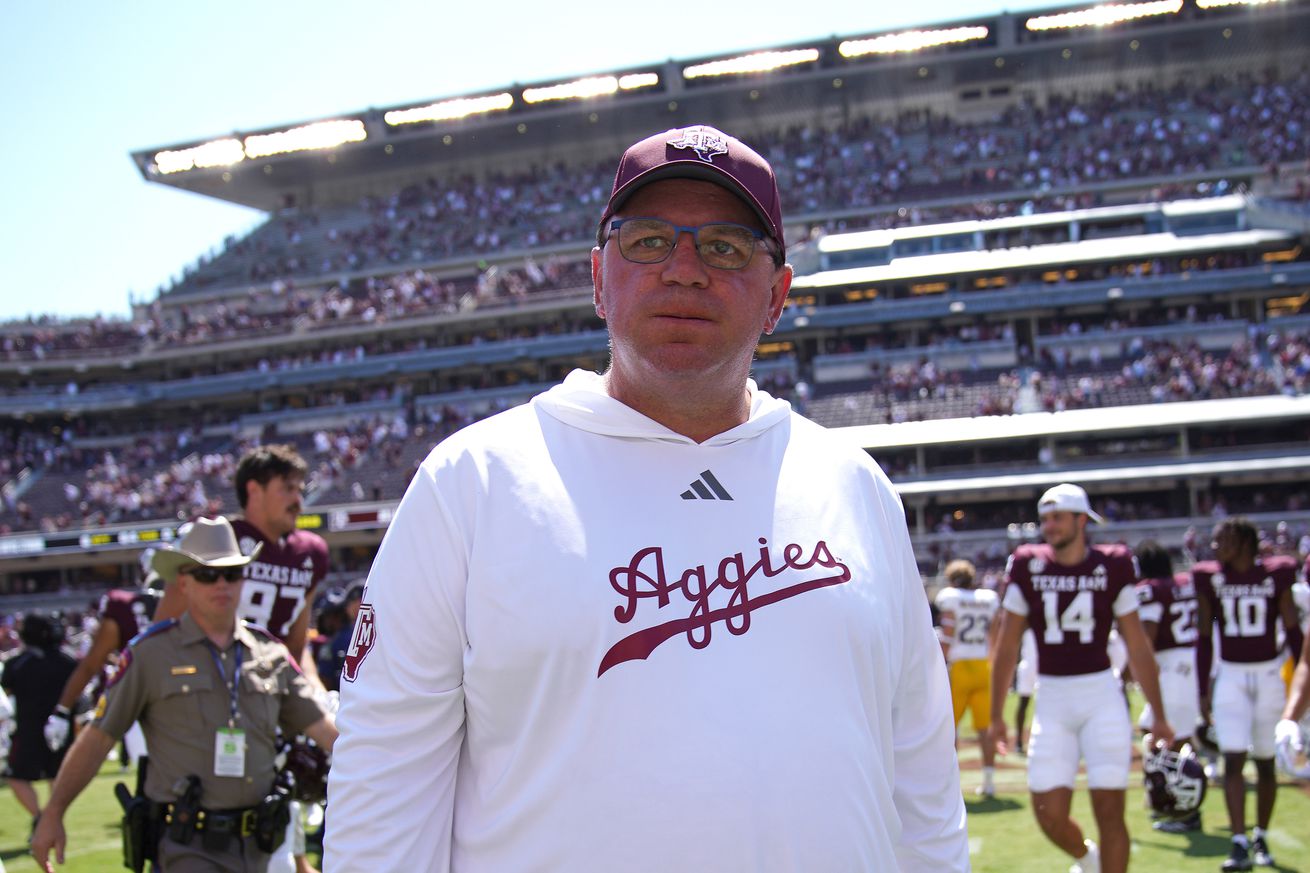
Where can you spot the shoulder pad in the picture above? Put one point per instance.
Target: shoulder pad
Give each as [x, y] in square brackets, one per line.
[1280, 564]
[260, 631]
[156, 628]
[1115, 551]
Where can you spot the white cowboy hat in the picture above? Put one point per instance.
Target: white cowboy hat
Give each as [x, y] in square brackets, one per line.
[210, 542]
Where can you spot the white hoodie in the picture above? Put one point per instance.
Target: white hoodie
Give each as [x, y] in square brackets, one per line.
[589, 643]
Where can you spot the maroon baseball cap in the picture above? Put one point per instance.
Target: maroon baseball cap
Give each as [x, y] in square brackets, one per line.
[700, 152]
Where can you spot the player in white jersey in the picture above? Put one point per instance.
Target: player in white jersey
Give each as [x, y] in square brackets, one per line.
[967, 631]
[1072, 593]
[658, 584]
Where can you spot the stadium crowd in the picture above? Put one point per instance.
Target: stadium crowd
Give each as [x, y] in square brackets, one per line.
[171, 473]
[1070, 141]
[388, 298]
[1147, 370]
[852, 173]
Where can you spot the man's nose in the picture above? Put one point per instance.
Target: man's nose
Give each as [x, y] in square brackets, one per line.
[684, 265]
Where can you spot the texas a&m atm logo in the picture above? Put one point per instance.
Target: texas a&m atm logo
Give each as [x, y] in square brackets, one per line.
[361, 641]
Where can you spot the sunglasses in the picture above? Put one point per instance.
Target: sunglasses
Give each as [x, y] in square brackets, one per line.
[210, 575]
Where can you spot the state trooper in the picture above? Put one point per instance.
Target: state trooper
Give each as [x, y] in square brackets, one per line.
[210, 692]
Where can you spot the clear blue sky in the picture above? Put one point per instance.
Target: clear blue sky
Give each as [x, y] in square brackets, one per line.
[83, 84]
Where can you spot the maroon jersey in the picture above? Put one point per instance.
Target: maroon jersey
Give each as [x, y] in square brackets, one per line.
[1071, 609]
[1245, 605]
[1172, 605]
[279, 582]
[131, 610]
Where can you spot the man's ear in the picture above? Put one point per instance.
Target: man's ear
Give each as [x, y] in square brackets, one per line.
[778, 297]
[596, 282]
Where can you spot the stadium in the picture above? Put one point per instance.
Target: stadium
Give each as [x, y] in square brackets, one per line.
[1066, 245]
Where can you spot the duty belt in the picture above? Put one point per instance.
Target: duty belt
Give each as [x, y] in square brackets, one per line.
[234, 822]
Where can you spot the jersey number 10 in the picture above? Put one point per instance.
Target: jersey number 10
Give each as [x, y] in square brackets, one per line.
[1245, 616]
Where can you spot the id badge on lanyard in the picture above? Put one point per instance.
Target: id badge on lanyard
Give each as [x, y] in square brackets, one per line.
[230, 741]
[230, 752]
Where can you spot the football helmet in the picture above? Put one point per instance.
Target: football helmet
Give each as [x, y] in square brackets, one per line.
[308, 763]
[1175, 781]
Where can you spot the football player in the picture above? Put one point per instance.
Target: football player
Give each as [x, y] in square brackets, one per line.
[967, 631]
[1071, 593]
[270, 482]
[1245, 596]
[123, 613]
[1167, 605]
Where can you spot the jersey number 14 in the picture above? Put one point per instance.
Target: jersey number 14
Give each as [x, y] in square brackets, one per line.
[1076, 618]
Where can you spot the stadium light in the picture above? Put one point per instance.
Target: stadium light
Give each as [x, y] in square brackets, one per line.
[910, 41]
[449, 110]
[760, 62]
[1217, 4]
[595, 86]
[1102, 16]
[219, 153]
[633, 81]
[580, 89]
[319, 135]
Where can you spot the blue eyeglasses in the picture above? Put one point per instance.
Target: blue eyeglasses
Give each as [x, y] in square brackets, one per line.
[721, 245]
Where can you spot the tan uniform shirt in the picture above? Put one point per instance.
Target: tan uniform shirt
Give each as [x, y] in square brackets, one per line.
[171, 683]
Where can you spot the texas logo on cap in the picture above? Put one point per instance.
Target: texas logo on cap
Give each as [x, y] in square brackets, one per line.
[706, 142]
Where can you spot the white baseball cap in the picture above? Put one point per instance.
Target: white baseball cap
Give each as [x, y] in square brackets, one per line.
[1067, 498]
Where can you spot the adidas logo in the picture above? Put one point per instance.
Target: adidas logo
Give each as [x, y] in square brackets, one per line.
[706, 488]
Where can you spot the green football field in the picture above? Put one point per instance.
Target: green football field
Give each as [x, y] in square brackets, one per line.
[1003, 836]
[94, 838]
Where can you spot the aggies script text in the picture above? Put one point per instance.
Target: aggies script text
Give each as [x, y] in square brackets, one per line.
[645, 578]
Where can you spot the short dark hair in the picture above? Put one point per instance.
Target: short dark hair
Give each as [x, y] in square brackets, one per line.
[263, 463]
[40, 631]
[1153, 560]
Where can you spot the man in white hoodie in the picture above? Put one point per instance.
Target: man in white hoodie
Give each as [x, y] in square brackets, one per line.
[653, 620]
